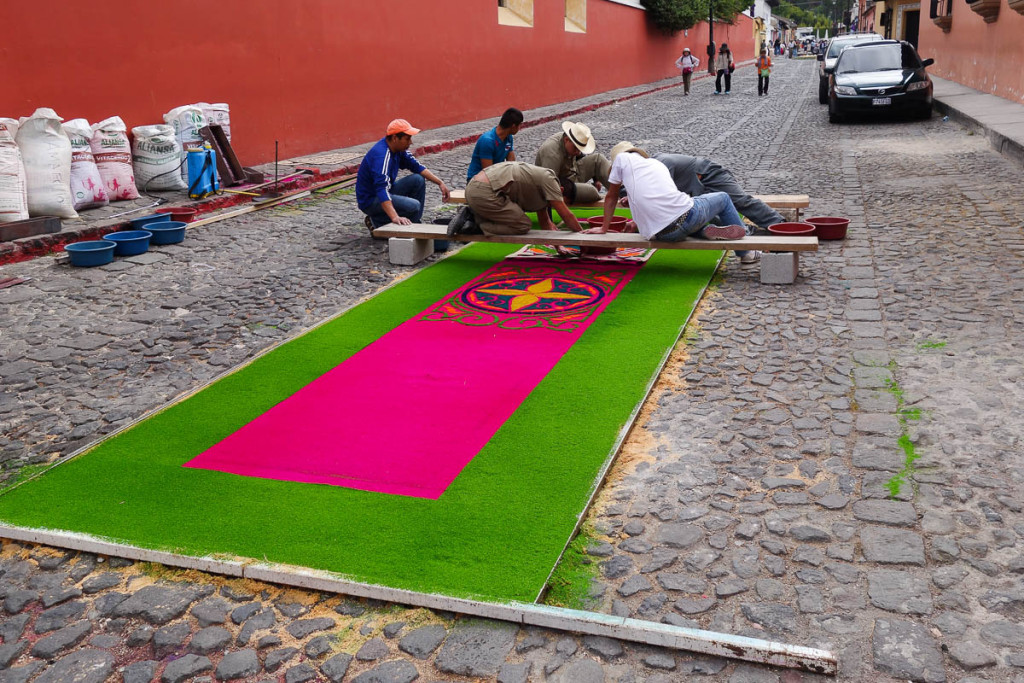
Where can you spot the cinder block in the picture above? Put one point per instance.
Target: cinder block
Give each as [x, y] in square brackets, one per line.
[408, 251]
[779, 267]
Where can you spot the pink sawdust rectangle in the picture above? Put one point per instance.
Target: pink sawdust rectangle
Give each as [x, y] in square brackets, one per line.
[407, 413]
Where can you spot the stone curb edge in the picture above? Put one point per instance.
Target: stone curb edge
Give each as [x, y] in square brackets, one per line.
[575, 621]
[1004, 145]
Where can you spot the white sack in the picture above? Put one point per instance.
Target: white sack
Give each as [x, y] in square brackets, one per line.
[217, 115]
[186, 121]
[13, 199]
[113, 154]
[156, 154]
[46, 152]
[87, 191]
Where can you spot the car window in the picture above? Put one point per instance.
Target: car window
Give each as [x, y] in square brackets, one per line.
[836, 46]
[910, 58]
[871, 58]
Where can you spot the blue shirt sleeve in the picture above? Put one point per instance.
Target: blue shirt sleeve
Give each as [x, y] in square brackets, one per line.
[408, 161]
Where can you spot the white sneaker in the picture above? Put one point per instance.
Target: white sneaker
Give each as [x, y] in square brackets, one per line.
[750, 257]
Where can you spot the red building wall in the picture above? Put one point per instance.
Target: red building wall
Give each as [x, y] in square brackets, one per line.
[987, 57]
[324, 74]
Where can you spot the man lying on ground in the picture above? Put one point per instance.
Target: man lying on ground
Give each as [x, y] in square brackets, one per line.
[497, 144]
[498, 197]
[378, 195]
[661, 212]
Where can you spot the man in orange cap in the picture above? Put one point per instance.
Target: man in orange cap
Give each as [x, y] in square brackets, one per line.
[379, 194]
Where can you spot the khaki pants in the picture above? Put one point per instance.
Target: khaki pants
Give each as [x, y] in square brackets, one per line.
[495, 213]
[591, 167]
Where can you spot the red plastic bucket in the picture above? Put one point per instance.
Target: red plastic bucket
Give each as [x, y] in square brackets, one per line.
[791, 229]
[181, 214]
[618, 224]
[829, 227]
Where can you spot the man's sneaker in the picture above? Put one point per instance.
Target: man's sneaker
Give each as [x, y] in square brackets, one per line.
[724, 232]
[458, 223]
[369, 224]
[750, 257]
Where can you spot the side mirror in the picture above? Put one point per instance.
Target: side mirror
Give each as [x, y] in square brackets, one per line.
[821, 56]
[928, 62]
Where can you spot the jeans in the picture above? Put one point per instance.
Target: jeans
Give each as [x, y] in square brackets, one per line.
[706, 208]
[762, 84]
[407, 196]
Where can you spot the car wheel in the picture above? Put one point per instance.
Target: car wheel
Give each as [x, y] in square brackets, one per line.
[833, 114]
[925, 113]
[822, 91]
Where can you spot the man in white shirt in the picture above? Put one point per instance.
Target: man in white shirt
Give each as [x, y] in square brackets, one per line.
[660, 210]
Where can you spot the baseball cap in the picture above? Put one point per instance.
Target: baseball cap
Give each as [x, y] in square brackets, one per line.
[401, 126]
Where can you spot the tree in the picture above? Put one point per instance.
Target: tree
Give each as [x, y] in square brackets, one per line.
[672, 16]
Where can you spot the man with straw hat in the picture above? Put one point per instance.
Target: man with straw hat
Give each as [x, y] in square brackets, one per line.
[570, 155]
[660, 211]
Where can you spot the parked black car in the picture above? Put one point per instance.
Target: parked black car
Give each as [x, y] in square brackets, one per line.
[879, 77]
[827, 60]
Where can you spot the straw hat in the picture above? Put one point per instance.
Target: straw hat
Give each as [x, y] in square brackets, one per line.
[626, 146]
[580, 136]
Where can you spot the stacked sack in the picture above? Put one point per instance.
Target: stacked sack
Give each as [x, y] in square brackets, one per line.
[52, 168]
[46, 152]
[87, 190]
[113, 154]
[186, 121]
[13, 203]
[157, 155]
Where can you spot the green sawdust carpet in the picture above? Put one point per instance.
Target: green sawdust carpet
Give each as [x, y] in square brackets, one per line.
[496, 532]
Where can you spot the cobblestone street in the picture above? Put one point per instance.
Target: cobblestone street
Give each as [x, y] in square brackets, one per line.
[835, 463]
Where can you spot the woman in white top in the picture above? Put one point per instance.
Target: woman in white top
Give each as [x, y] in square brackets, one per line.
[724, 65]
[687, 64]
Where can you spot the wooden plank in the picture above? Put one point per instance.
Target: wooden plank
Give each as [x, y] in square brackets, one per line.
[614, 239]
[249, 209]
[776, 201]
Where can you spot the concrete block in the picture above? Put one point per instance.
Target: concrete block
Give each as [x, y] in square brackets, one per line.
[408, 251]
[779, 267]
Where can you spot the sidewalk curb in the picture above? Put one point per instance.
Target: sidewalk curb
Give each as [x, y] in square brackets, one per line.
[1006, 146]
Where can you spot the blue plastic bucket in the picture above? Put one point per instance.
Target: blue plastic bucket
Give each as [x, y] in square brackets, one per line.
[91, 253]
[130, 242]
[169, 232]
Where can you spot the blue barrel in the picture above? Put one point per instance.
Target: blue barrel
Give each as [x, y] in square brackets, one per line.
[202, 173]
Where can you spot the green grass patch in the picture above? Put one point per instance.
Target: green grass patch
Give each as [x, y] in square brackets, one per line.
[931, 344]
[904, 415]
[569, 586]
[495, 533]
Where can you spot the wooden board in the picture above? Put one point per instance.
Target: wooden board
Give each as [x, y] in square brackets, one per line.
[615, 239]
[776, 201]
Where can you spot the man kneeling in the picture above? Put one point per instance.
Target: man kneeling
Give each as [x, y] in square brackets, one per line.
[661, 212]
[498, 197]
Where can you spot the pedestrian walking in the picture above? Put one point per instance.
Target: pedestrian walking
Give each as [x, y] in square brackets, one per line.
[764, 70]
[724, 66]
[687, 64]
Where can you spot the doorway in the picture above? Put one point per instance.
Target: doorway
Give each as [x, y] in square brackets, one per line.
[912, 21]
